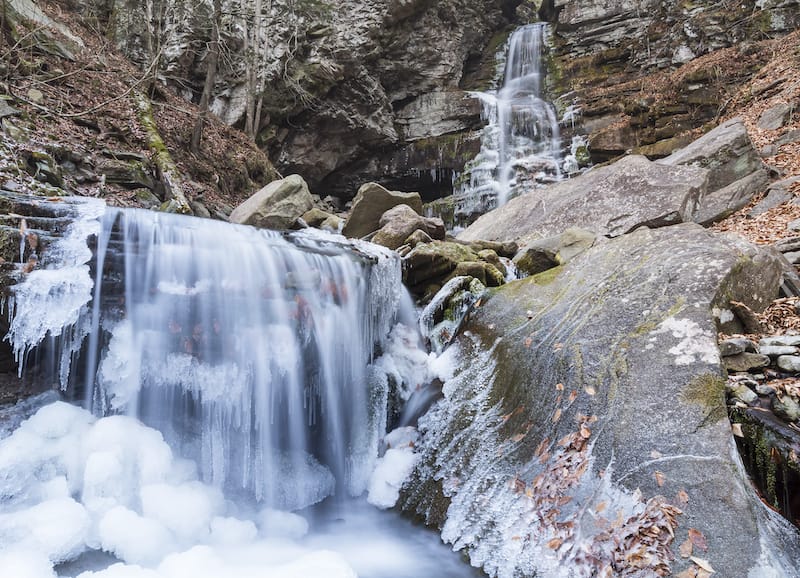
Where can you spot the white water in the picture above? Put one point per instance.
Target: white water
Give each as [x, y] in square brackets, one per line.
[231, 381]
[521, 145]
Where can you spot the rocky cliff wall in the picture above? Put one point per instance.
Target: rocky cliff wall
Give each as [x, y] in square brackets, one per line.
[644, 72]
[352, 90]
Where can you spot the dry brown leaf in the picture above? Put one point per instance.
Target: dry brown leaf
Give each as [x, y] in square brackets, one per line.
[557, 415]
[688, 573]
[736, 428]
[517, 437]
[559, 387]
[528, 341]
[590, 390]
[682, 497]
[660, 478]
[685, 549]
[599, 507]
[555, 543]
[703, 563]
[698, 539]
[585, 432]
[573, 395]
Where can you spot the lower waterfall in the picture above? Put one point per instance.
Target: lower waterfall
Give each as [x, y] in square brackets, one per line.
[230, 379]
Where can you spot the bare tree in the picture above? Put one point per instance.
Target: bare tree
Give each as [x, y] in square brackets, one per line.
[211, 75]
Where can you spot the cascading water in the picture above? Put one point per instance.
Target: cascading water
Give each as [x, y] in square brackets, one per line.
[235, 370]
[521, 145]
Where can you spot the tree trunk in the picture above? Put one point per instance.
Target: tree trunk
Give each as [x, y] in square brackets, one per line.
[211, 76]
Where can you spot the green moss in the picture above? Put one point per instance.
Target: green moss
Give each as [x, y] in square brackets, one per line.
[708, 391]
[547, 277]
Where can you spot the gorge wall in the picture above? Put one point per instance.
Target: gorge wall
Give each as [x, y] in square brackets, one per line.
[351, 90]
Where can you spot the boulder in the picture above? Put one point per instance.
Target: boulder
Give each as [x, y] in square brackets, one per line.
[775, 117]
[369, 205]
[745, 361]
[276, 206]
[597, 395]
[724, 202]
[436, 262]
[725, 151]
[609, 201]
[315, 217]
[543, 254]
[398, 223]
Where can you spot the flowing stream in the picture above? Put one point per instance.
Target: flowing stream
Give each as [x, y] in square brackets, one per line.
[521, 143]
[234, 386]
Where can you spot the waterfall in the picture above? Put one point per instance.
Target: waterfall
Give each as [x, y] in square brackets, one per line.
[247, 349]
[521, 144]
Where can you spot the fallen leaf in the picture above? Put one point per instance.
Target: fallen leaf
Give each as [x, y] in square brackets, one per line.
[703, 573]
[660, 478]
[703, 564]
[573, 395]
[698, 539]
[557, 415]
[528, 341]
[555, 543]
[590, 390]
[559, 387]
[688, 573]
[518, 437]
[656, 454]
[585, 432]
[685, 549]
[600, 507]
[736, 428]
[682, 497]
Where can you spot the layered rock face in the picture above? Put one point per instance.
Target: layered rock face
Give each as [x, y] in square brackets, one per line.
[351, 90]
[603, 49]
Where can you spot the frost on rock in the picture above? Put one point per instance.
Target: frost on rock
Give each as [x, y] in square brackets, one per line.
[49, 300]
[551, 515]
[695, 344]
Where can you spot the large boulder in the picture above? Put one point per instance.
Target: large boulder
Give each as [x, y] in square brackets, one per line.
[723, 202]
[369, 205]
[398, 223]
[725, 151]
[585, 425]
[276, 206]
[610, 201]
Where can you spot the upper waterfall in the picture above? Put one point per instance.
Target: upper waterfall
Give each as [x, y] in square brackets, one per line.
[521, 143]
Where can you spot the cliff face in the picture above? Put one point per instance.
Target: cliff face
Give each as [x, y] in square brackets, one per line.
[351, 89]
[644, 72]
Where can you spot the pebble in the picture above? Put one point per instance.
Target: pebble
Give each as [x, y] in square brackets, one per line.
[745, 361]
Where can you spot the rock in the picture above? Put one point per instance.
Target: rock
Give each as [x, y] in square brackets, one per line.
[315, 217]
[745, 361]
[199, 209]
[417, 237]
[794, 225]
[725, 151]
[438, 113]
[786, 408]
[127, 174]
[369, 205]
[790, 363]
[507, 249]
[333, 224]
[780, 340]
[433, 263]
[609, 201]
[723, 202]
[775, 196]
[775, 117]
[35, 95]
[736, 345]
[562, 379]
[778, 350]
[741, 392]
[6, 109]
[493, 258]
[442, 317]
[399, 222]
[543, 254]
[790, 137]
[486, 273]
[276, 206]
